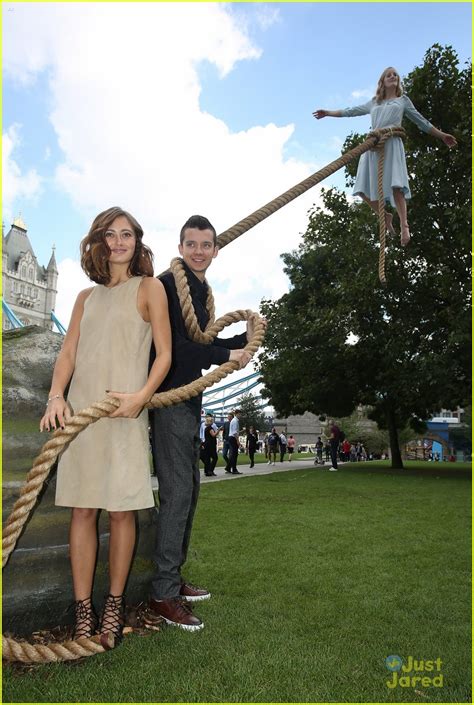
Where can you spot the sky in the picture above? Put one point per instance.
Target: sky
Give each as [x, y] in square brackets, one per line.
[172, 109]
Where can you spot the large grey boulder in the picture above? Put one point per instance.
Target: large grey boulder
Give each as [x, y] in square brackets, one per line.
[37, 586]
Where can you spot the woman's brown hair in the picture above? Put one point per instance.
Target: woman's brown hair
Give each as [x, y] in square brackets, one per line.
[95, 251]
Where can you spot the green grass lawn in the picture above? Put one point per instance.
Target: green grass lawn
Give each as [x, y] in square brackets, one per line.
[316, 578]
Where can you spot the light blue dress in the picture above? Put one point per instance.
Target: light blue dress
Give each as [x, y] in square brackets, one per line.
[388, 113]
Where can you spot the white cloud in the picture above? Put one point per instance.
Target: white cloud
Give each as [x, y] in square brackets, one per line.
[71, 280]
[15, 184]
[267, 16]
[125, 91]
[365, 93]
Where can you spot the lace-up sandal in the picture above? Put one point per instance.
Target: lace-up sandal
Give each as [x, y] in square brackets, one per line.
[113, 617]
[86, 619]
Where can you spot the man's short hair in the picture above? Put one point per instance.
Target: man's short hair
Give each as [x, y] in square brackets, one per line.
[199, 222]
[237, 411]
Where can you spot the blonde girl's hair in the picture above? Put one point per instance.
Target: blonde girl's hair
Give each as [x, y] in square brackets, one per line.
[380, 92]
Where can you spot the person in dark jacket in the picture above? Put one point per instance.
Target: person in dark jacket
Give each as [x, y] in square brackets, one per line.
[175, 430]
[210, 446]
[273, 445]
[251, 444]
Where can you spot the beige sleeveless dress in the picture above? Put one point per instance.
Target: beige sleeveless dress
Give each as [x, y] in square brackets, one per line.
[107, 465]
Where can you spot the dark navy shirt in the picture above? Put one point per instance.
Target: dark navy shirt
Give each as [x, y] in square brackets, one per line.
[190, 358]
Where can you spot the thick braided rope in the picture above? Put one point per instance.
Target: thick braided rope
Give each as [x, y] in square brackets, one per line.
[13, 650]
[389, 132]
[193, 328]
[20, 651]
[381, 209]
[373, 139]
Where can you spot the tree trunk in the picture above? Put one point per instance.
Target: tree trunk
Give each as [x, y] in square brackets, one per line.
[397, 463]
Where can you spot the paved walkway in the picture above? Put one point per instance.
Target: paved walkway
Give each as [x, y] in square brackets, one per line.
[258, 469]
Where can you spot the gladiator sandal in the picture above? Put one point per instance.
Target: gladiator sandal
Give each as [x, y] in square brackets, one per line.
[113, 616]
[86, 619]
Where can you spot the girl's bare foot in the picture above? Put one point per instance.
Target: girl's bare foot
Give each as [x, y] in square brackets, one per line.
[405, 236]
[389, 223]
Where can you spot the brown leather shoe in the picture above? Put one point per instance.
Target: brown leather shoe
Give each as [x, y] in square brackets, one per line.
[176, 612]
[192, 593]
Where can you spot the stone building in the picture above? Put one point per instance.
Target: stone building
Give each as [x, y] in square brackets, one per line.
[29, 289]
[304, 427]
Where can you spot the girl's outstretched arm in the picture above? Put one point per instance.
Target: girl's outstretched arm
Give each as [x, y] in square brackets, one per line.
[318, 114]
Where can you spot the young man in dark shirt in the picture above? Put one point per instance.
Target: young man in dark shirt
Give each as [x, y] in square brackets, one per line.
[175, 430]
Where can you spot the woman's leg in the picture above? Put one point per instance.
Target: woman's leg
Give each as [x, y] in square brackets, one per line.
[83, 553]
[121, 545]
[375, 207]
[83, 550]
[401, 205]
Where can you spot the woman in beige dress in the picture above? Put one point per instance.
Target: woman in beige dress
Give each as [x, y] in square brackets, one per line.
[107, 348]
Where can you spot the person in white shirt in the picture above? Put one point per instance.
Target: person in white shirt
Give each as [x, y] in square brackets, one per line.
[283, 444]
[234, 431]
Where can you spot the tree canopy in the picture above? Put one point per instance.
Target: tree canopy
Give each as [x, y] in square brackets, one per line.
[251, 412]
[338, 338]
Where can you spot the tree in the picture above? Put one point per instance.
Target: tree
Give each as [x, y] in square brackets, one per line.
[252, 414]
[338, 338]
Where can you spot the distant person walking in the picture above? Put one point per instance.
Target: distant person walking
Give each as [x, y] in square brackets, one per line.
[210, 446]
[327, 450]
[346, 449]
[283, 445]
[273, 443]
[291, 446]
[334, 434]
[319, 451]
[225, 437]
[251, 444]
[234, 432]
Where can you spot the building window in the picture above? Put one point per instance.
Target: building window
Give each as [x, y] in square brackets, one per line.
[23, 272]
[28, 290]
[30, 274]
[22, 288]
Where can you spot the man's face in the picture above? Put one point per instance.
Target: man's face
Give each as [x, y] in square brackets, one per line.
[198, 250]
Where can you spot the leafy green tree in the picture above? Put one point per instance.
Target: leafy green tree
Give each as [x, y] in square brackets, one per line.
[404, 350]
[252, 414]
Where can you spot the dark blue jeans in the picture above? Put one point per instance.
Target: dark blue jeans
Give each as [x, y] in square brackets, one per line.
[175, 445]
